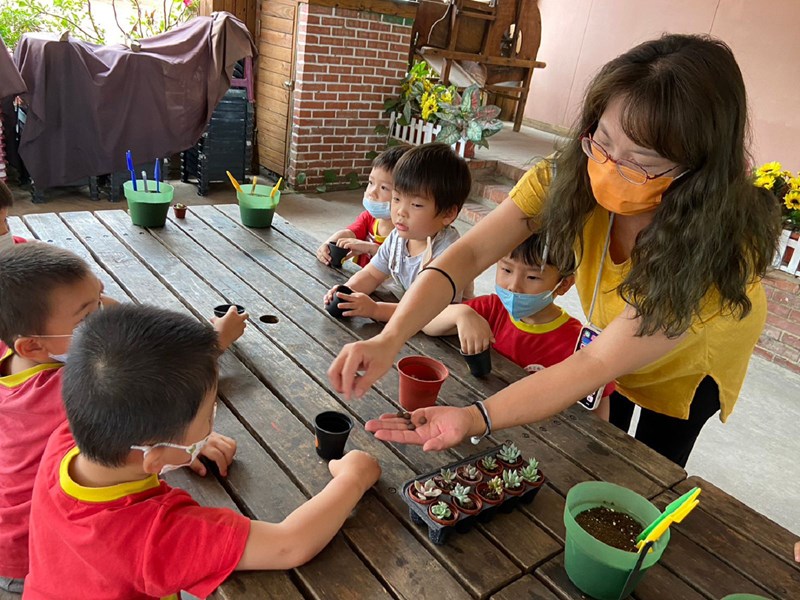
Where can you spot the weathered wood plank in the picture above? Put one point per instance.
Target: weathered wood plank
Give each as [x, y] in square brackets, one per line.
[307, 397]
[738, 516]
[657, 584]
[740, 553]
[48, 227]
[526, 588]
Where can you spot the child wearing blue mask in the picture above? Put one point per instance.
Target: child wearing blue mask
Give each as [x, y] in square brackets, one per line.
[365, 235]
[520, 320]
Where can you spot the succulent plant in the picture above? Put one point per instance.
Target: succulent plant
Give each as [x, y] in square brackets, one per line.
[530, 472]
[426, 490]
[471, 472]
[496, 486]
[489, 463]
[448, 476]
[440, 510]
[509, 453]
[511, 479]
[461, 494]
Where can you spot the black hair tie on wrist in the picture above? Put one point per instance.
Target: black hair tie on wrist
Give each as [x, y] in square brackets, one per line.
[450, 279]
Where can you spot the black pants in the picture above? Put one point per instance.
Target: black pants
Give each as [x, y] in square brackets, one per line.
[669, 436]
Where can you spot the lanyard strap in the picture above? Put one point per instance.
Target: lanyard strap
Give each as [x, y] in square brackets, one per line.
[600, 270]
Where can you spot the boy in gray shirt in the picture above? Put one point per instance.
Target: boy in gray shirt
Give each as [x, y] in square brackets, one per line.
[431, 183]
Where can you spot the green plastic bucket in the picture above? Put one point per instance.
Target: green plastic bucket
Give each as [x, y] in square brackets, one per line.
[596, 568]
[148, 209]
[257, 210]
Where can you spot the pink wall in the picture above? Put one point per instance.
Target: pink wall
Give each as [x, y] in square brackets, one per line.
[579, 36]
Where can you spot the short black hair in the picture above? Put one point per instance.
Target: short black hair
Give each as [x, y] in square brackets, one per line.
[136, 375]
[532, 253]
[387, 160]
[29, 273]
[6, 196]
[434, 171]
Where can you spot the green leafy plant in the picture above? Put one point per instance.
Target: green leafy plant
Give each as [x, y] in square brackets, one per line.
[509, 453]
[144, 23]
[420, 96]
[530, 472]
[28, 16]
[461, 494]
[511, 479]
[427, 490]
[466, 118]
[447, 476]
[489, 463]
[440, 510]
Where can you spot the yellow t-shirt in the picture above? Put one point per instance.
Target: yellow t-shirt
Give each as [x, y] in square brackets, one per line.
[717, 344]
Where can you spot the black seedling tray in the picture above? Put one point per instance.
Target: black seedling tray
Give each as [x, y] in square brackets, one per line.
[439, 533]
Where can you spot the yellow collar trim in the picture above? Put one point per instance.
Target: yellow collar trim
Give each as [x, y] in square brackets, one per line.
[541, 327]
[100, 494]
[15, 379]
[378, 238]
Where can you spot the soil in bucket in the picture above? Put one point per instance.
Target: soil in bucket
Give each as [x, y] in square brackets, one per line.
[611, 527]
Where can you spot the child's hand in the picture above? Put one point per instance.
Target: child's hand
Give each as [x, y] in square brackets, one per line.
[360, 466]
[230, 327]
[220, 449]
[474, 332]
[357, 305]
[324, 254]
[328, 298]
[357, 247]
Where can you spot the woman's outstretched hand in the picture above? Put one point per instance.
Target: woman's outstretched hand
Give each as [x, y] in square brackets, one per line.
[360, 364]
[435, 428]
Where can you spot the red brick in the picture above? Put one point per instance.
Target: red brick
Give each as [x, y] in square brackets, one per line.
[759, 351]
[787, 298]
[319, 29]
[791, 340]
[784, 324]
[792, 366]
[778, 309]
[794, 316]
[780, 349]
[783, 282]
[772, 332]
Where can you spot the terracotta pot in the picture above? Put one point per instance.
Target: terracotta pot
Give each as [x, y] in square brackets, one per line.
[515, 491]
[446, 488]
[510, 466]
[460, 476]
[180, 212]
[451, 521]
[482, 488]
[474, 511]
[423, 501]
[469, 150]
[489, 474]
[421, 378]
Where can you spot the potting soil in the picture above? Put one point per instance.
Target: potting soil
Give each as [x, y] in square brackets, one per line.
[611, 527]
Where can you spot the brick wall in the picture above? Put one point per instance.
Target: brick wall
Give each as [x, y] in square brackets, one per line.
[780, 340]
[348, 63]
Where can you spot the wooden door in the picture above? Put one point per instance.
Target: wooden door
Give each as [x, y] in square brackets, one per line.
[275, 82]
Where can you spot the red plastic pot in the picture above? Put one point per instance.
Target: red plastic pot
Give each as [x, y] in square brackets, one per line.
[421, 378]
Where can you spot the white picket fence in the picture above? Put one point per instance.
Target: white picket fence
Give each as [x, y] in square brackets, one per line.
[419, 132]
[792, 265]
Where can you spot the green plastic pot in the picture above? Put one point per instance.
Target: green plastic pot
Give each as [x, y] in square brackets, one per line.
[597, 569]
[257, 210]
[148, 209]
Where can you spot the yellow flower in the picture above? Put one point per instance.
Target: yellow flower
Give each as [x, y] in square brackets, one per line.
[765, 181]
[446, 97]
[426, 83]
[429, 105]
[794, 183]
[771, 168]
[792, 200]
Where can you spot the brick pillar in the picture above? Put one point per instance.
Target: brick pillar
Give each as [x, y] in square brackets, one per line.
[780, 340]
[348, 63]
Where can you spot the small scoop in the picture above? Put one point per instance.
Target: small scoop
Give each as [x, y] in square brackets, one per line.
[673, 513]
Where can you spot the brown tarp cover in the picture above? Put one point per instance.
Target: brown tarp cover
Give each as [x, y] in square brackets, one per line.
[88, 104]
[11, 82]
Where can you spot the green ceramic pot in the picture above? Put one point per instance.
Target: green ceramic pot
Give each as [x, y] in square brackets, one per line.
[257, 210]
[597, 569]
[148, 209]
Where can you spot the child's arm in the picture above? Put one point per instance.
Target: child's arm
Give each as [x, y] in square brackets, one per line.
[473, 330]
[356, 247]
[365, 281]
[305, 532]
[323, 253]
[230, 327]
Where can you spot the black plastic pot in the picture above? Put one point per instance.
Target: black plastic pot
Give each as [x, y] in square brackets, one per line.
[333, 306]
[222, 309]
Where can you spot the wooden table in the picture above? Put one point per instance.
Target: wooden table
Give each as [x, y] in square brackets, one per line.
[274, 382]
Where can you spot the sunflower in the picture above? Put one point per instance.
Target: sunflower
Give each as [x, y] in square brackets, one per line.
[792, 200]
[770, 168]
[429, 105]
[765, 180]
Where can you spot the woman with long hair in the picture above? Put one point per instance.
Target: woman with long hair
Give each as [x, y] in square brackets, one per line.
[655, 198]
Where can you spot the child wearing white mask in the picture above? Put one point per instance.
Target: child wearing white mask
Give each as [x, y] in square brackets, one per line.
[365, 235]
[520, 321]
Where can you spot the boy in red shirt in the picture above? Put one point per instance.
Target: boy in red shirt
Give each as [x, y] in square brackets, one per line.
[103, 525]
[7, 201]
[520, 321]
[45, 293]
[366, 234]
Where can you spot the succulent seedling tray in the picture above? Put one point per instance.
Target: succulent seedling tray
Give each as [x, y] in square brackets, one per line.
[437, 532]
